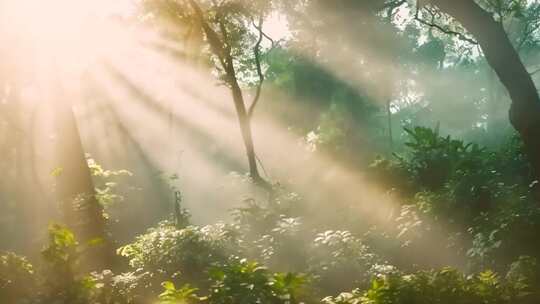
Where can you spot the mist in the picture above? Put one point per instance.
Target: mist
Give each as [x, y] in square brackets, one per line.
[135, 103]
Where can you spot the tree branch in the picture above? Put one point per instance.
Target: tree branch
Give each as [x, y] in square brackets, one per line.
[461, 36]
[534, 72]
[257, 54]
[215, 43]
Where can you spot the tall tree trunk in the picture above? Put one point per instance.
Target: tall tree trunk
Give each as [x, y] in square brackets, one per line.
[76, 192]
[247, 136]
[505, 61]
[219, 45]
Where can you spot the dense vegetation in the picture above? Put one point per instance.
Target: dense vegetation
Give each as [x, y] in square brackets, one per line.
[399, 178]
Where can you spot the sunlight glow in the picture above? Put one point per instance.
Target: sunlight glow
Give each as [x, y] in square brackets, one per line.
[277, 27]
[144, 103]
[66, 31]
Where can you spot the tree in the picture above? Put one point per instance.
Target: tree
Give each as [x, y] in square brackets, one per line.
[505, 61]
[345, 57]
[225, 26]
[76, 193]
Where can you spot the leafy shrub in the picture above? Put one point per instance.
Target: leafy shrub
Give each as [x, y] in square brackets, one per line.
[62, 251]
[476, 201]
[271, 233]
[469, 174]
[524, 277]
[171, 252]
[339, 261]
[17, 278]
[241, 281]
[125, 288]
[501, 238]
[172, 295]
[63, 282]
[256, 218]
[442, 286]
[283, 248]
[464, 175]
[105, 187]
[432, 160]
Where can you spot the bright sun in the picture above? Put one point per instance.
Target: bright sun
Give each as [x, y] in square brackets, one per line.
[60, 30]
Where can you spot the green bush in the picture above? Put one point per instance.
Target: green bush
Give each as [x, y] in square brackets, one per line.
[470, 177]
[17, 278]
[63, 280]
[125, 288]
[339, 260]
[180, 253]
[184, 295]
[447, 286]
[241, 281]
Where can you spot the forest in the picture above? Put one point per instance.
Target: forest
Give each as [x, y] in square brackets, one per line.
[270, 151]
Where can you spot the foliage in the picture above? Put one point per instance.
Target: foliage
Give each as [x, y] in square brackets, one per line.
[270, 232]
[461, 194]
[506, 235]
[241, 281]
[340, 261]
[463, 179]
[105, 182]
[62, 248]
[62, 256]
[171, 252]
[275, 234]
[443, 286]
[351, 74]
[338, 118]
[17, 278]
[125, 288]
[172, 295]
[434, 159]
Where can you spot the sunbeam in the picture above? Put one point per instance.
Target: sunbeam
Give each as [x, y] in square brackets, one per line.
[201, 151]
